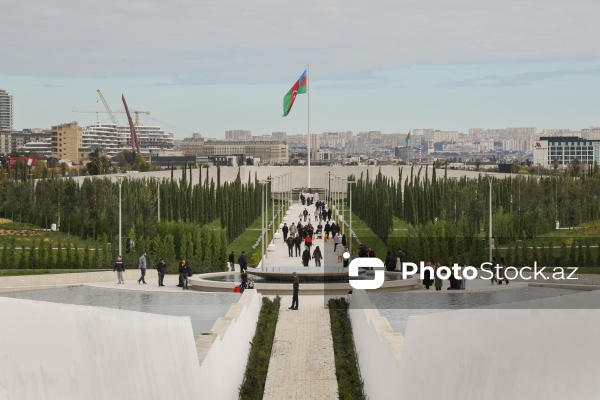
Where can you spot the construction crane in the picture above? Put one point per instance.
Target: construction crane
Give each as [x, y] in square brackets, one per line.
[108, 110]
[135, 145]
[111, 113]
[114, 121]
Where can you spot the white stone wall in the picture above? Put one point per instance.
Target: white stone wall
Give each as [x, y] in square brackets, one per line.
[224, 356]
[378, 348]
[547, 349]
[63, 351]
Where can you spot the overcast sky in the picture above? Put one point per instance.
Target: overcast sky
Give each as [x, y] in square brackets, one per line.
[390, 65]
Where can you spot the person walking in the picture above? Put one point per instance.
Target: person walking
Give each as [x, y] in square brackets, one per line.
[297, 243]
[327, 230]
[336, 241]
[305, 214]
[400, 260]
[427, 276]
[243, 262]
[390, 262]
[317, 256]
[340, 253]
[494, 269]
[305, 256]
[285, 230]
[343, 240]
[119, 267]
[308, 241]
[142, 267]
[232, 261]
[161, 267]
[293, 230]
[437, 279]
[345, 261]
[503, 269]
[244, 281]
[183, 273]
[371, 253]
[296, 287]
[463, 280]
[290, 244]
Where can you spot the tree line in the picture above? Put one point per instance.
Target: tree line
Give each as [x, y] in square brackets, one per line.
[449, 217]
[90, 209]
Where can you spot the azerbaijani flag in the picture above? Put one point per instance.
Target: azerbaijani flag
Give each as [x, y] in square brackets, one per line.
[407, 138]
[298, 88]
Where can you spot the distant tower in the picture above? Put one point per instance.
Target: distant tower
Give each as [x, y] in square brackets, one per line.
[6, 111]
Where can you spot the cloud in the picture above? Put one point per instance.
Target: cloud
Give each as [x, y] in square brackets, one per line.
[233, 41]
[519, 79]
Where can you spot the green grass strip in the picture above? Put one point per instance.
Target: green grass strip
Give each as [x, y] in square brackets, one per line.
[350, 384]
[253, 386]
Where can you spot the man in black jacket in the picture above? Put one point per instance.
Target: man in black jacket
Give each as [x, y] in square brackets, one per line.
[184, 272]
[285, 231]
[243, 262]
[290, 243]
[390, 262]
[297, 243]
[161, 267]
[305, 256]
[232, 261]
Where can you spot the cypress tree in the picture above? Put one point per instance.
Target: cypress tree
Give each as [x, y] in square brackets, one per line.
[550, 255]
[572, 254]
[60, 262]
[11, 256]
[23, 258]
[68, 256]
[588, 260]
[42, 254]
[77, 259]
[96, 257]
[564, 256]
[32, 262]
[4, 257]
[86, 262]
[50, 258]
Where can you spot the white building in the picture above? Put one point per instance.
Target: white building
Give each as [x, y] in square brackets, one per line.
[562, 150]
[116, 138]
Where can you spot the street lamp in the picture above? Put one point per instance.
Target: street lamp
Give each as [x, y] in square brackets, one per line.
[490, 224]
[263, 221]
[350, 183]
[343, 215]
[120, 179]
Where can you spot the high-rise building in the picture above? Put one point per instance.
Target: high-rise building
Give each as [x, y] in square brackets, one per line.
[6, 111]
[66, 141]
[238, 134]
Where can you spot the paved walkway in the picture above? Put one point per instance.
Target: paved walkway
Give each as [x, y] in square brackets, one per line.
[302, 364]
[170, 282]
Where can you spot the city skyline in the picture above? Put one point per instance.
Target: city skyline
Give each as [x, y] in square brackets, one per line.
[392, 67]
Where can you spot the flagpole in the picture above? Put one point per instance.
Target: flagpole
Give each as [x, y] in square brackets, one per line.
[308, 117]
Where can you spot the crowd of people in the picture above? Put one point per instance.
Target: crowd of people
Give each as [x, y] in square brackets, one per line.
[184, 270]
[456, 280]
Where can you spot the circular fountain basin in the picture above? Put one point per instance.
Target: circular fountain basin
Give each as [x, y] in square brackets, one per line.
[313, 280]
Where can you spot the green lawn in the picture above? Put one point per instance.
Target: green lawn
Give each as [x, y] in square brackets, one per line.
[365, 235]
[246, 240]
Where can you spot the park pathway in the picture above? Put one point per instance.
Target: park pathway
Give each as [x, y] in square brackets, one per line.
[302, 364]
